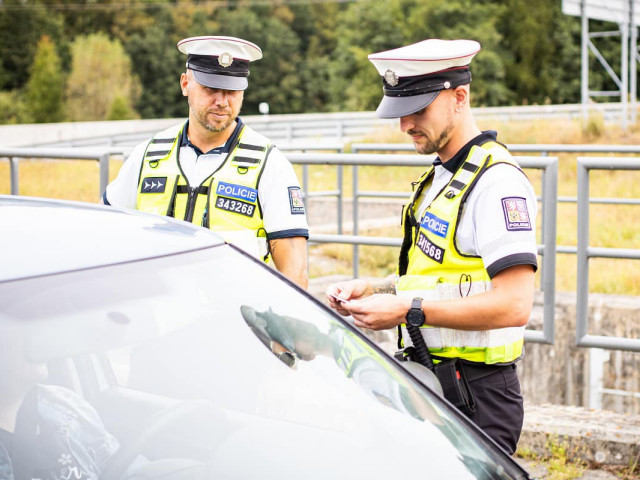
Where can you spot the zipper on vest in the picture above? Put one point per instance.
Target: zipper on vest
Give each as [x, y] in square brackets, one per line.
[172, 203]
[205, 215]
[191, 204]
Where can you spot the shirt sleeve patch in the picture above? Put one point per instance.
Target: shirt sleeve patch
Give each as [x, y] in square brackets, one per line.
[295, 201]
[516, 214]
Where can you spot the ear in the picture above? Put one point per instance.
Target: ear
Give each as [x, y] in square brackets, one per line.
[461, 95]
[184, 84]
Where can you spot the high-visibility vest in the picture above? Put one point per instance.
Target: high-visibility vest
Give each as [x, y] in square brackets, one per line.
[432, 267]
[226, 202]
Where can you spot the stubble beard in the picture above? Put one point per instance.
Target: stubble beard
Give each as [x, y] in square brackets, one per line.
[214, 127]
[201, 117]
[436, 144]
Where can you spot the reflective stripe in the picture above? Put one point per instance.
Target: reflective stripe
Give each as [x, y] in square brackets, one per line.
[449, 337]
[440, 291]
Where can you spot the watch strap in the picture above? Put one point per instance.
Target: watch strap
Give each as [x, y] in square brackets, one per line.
[416, 303]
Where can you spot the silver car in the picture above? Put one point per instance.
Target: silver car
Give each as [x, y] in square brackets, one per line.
[138, 346]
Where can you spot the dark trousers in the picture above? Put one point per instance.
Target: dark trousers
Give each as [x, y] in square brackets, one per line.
[499, 409]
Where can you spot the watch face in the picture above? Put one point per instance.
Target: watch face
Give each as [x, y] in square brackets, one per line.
[415, 317]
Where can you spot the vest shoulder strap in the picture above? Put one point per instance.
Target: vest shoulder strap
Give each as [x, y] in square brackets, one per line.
[476, 160]
[161, 143]
[252, 149]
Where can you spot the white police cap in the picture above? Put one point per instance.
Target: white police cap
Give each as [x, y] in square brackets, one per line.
[220, 62]
[412, 76]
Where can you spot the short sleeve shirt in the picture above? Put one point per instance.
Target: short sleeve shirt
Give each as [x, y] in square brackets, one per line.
[498, 217]
[277, 189]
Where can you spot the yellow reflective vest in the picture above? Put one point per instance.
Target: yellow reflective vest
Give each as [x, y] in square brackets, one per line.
[226, 202]
[432, 267]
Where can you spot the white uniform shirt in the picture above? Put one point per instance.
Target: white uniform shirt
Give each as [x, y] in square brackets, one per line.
[484, 227]
[277, 178]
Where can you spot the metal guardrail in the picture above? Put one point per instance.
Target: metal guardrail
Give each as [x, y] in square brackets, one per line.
[306, 193]
[103, 155]
[15, 154]
[308, 127]
[542, 149]
[585, 252]
[547, 250]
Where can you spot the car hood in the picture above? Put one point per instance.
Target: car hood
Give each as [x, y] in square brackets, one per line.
[80, 235]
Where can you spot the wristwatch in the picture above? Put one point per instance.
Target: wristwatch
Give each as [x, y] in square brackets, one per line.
[415, 315]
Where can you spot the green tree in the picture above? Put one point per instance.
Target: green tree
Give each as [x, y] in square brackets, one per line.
[21, 27]
[525, 32]
[158, 64]
[363, 28]
[120, 109]
[315, 25]
[45, 88]
[100, 72]
[468, 19]
[275, 78]
[564, 67]
[12, 108]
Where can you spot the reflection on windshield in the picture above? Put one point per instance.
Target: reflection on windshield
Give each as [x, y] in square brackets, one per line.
[292, 339]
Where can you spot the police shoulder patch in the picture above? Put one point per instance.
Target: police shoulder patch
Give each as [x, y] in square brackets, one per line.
[295, 201]
[516, 214]
[153, 185]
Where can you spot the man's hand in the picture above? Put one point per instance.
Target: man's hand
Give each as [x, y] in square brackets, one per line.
[378, 312]
[341, 292]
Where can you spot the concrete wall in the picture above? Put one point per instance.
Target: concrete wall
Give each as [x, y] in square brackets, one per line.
[564, 374]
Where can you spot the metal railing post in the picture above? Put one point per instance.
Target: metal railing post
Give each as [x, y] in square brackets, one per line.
[104, 172]
[582, 255]
[354, 208]
[305, 184]
[543, 203]
[549, 238]
[13, 167]
[339, 174]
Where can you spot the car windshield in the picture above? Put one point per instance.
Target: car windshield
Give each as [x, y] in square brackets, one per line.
[215, 333]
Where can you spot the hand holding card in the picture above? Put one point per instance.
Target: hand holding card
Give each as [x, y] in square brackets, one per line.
[337, 298]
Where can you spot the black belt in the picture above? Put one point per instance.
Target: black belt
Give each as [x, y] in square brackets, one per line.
[474, 371]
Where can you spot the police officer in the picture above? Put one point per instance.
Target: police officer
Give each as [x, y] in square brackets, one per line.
[468, 258]
[215, 171]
